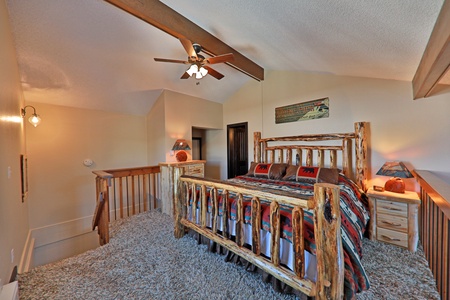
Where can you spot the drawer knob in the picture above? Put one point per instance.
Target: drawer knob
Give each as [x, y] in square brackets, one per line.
[389, 238]
[391, 223]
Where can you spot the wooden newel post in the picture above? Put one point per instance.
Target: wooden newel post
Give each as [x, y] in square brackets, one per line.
[179, 202]
[329, 251]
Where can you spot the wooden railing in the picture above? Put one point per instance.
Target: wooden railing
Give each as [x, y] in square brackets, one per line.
[122, 193]
[435, 228]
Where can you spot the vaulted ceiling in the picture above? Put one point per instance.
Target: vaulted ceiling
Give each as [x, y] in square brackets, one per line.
[91, 54]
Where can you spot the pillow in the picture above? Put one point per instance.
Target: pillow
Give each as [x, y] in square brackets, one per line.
[296, 173]
[271, 171]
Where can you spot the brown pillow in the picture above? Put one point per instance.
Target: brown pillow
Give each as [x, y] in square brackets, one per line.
[272, 171]
[296, 173]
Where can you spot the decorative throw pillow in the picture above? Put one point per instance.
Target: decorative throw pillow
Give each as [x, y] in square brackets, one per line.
[296, 173]
[271, 171]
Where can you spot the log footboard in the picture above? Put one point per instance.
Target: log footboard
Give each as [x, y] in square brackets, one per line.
[329, 252]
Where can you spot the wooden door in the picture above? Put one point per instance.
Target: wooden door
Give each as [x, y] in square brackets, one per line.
[237, 149]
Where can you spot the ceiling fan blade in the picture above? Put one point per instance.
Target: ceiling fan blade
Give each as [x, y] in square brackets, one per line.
[220, 58]
[187, 44]
[214, 73]
[176, 61]
[185, 76]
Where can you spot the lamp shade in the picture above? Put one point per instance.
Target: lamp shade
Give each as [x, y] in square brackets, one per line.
[397, 171]
[181, 144]
[394, 169]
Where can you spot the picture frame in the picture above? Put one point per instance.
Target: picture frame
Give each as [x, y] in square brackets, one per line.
[314, 109]
[24, 176]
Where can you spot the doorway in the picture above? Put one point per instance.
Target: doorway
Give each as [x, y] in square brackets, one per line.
[237, 149]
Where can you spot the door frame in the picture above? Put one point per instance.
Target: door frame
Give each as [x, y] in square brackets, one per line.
[229, 126]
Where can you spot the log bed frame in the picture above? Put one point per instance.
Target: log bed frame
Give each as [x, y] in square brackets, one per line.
[329, 252]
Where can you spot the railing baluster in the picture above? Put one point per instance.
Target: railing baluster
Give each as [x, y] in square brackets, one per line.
[133, 196]
[144, 188]
[121, 197]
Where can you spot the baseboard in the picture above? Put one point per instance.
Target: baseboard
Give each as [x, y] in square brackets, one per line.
[26, 259]
[10, 291]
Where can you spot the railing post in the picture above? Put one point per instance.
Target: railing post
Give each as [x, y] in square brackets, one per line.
[327, 233]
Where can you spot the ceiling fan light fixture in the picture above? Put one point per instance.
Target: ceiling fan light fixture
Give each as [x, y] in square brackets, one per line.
[203, 71]
[198, 75]
[193, 69]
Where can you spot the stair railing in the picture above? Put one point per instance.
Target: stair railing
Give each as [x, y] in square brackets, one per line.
[121, 193]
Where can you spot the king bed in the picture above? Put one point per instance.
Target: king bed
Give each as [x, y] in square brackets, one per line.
[299, 214]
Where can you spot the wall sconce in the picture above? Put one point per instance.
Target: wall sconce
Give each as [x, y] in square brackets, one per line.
[34, 119]
[397, 171]
[179, 146]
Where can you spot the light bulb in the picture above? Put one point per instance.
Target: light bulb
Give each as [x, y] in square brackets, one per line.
[193, 69]
[203, 71]
[35, 120]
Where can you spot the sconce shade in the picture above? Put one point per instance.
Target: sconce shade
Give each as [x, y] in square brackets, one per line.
[397, 171]
[34, 119]
[181, 144]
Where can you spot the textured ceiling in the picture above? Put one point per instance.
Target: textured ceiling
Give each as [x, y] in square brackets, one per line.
[90, 54]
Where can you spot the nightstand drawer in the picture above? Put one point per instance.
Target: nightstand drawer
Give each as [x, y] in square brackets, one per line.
[392, 237]
[392, 222]
[195, 170]
[392, 208]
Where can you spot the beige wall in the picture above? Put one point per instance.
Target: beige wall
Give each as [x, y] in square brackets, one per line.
[156, 132]
[61, 188]
[13, 213]
[181, 113]
[401, 128]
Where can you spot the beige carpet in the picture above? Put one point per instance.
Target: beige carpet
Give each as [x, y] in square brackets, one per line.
[144, 261]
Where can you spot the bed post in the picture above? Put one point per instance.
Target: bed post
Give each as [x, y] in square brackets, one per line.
[257, 147]
[327, 233]
[361, 132]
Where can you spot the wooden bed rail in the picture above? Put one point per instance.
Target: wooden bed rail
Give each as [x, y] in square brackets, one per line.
[121, 193]
[329, 252]
[434, 227]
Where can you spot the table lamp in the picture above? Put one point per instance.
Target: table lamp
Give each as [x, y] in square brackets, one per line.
[179, 146]
[397, 171]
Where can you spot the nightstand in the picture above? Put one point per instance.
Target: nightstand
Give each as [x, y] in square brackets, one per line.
[393, 218]
[170, 174]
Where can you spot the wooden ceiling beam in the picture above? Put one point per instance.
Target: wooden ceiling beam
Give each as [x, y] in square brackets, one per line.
[166, 19]
[436, 58]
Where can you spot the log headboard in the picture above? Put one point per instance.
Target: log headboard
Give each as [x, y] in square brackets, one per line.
[332, 150]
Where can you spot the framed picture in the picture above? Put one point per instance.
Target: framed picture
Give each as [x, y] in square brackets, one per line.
[315, 109]
[24, 176]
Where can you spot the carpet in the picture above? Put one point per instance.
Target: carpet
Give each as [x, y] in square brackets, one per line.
[144, 261]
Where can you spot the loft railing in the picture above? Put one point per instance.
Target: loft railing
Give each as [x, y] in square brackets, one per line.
[121, 193]
[435, 228]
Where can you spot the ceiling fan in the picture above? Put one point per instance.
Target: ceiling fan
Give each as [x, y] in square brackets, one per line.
[198, 63]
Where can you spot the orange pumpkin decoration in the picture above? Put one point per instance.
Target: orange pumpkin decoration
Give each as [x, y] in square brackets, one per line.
[395, 185]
